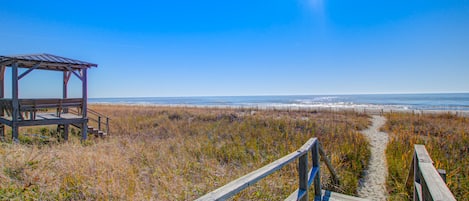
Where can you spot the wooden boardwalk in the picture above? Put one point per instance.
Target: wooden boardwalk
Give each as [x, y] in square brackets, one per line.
[428, 184]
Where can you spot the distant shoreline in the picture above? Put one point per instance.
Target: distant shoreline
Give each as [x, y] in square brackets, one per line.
[380, 102]
[369, 110]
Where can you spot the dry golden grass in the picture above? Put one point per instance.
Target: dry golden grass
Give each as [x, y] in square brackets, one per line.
[164, 153]
[446, 138]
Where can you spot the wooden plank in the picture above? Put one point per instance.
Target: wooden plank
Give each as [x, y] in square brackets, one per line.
[422, 154]
[241, 183]
[437, 188]
[307, 146]
[417, 191]
[50, 122]
[329, 196]
[29, 70]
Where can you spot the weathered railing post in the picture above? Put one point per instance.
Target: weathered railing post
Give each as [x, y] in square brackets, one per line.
[99, 122]
[303, 174]
[317, 178]
[107, 126]
[428, 183]
[416, 179]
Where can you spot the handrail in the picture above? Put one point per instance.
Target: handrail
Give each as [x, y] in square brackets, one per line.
[97, 118]
[427, 182]
[97, 113]
[306, 177]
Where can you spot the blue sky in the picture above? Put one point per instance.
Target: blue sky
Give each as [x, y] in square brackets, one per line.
[244, 47]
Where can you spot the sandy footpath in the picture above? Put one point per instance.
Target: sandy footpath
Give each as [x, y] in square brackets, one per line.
[373, 186]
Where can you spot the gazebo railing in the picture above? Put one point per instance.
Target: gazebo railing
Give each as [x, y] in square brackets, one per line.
[32, 106]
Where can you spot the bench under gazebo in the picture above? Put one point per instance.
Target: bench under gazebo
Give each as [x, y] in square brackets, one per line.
[64, 112]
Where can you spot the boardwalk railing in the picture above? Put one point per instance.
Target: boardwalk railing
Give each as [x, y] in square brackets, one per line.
[96, 119]
[427, 182]
[306, 177]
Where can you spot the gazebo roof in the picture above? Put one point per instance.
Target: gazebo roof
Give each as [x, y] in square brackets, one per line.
[44, 61]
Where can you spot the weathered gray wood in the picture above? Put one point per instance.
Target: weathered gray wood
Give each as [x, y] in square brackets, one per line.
[422, 154]
[66, 78]
[107, 126]
[317, 180]
[437, 188]
[329, 196]
[50, 122]
[84, 81]
[29, 70]
[23, 111]
[307, 146]
[75, 73]
[2, 95]
[428, 184]
[241, 183]
[2, 81]
[303, 177]
[417, 191]
[15, 103]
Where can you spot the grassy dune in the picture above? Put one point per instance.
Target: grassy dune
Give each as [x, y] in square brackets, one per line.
[165, 153]
[446, 138]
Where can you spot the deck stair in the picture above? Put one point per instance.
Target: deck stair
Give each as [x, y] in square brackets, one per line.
[98, 124]
[93, 131]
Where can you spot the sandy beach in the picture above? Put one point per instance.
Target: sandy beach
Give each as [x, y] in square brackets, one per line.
[373, 185]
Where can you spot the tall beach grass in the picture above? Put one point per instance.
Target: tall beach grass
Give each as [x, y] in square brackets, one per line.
[446, 138]
[175, 153]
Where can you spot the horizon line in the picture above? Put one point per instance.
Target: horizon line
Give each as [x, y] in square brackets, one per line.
[264, 95]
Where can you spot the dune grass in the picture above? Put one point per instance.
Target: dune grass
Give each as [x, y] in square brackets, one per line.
[446, 138]
[174, 153]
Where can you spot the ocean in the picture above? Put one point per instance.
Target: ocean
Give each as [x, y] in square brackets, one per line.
[433, 102]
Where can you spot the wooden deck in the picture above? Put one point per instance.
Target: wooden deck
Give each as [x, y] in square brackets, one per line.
[45, 119]
[330, 196]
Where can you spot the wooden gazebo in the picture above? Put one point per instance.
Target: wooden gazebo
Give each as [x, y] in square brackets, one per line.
[16, 112]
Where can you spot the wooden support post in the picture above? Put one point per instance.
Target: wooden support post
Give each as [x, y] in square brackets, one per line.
[99, 123]
[416, 179]
[84, 129]
[335, 177]
[2, 95]
[303, 174]
[107, 126]
[66, 78]
[317, 179]
[15, 103]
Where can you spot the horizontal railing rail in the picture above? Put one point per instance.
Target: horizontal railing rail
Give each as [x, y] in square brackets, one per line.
[428, 184]
[101, 120]
[32, 106]
[307, 177]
